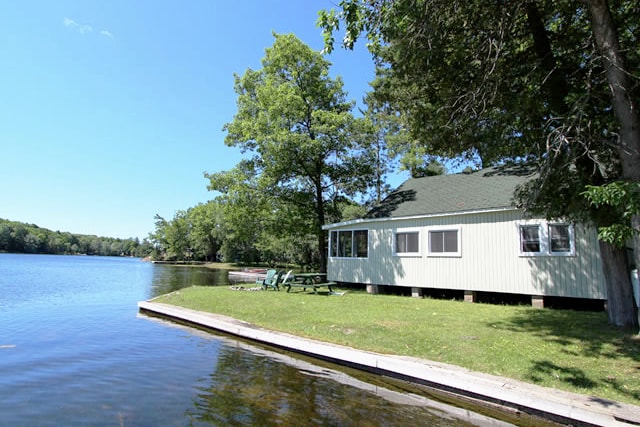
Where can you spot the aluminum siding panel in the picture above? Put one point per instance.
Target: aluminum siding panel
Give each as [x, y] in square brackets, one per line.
[490, 259]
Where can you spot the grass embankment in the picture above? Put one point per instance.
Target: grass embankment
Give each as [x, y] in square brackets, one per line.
[568, 350]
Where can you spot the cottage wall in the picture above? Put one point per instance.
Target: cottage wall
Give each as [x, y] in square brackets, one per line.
[489, 260]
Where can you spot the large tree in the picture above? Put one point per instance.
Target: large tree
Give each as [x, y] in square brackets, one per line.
[253, 219]
[550, 82]
[295, 120]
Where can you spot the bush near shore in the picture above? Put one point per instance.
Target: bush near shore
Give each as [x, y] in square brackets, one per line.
[564, 349]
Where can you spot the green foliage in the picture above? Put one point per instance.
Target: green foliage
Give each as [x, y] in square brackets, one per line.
[351, 211]
[305, 147]
[18, 237]
[623, 201]
[194, 234]
[515, 81]
[380, 128]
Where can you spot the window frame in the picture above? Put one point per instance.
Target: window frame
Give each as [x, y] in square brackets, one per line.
[334, 243]
[545, 238]
[406, 231]
[355, 251]
[569, 238]
[521, 227]
[456, 229]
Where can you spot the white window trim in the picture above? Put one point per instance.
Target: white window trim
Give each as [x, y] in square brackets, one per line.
[541, 235]
[407, 254]
[572, 240]
[350, 230]
[458, 231]
[545, 240]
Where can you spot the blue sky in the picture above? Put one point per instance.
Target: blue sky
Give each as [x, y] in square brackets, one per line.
[112, 110]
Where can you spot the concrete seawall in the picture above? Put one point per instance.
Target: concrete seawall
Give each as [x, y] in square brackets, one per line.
[552, 404]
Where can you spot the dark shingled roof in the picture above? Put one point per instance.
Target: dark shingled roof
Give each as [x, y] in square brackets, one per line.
[491, 188]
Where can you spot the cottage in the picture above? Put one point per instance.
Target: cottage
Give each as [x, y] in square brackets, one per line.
[462, 232]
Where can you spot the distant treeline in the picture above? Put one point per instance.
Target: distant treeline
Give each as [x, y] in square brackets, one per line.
[17, 237]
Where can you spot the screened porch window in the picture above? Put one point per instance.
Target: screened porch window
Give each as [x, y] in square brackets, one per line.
[361, 243]
[349, 243]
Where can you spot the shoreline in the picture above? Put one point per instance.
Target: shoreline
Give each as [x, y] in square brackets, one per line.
[551, 404]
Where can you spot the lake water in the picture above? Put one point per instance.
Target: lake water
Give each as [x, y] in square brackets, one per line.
[75, 352]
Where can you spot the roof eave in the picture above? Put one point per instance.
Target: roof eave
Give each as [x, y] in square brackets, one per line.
[360, 221]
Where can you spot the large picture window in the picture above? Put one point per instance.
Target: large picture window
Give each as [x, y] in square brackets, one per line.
[407, 243]
[349, 243]
[554, 239]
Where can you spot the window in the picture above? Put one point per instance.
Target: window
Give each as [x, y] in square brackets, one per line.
[559, 237]
[349, 243]
[361, 243]
[529, 238]
[554, 239]
[444, 242]
[407, 243]
[345, 243]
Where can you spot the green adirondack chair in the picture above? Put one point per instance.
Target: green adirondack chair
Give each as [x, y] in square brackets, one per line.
[271, 281]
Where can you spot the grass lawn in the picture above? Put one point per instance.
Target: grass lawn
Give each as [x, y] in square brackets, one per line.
[568, 350]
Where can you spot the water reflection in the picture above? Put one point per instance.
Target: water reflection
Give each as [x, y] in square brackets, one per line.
[169, 278]
[254, 386]
[251, 385]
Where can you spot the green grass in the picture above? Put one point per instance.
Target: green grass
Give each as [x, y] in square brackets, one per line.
[563, 349]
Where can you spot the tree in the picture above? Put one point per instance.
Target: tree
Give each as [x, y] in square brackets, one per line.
[295, 120]
[205, 236]
[244, 211]
[543, 82]
[172, 237]
[29, 238]
[382, 127]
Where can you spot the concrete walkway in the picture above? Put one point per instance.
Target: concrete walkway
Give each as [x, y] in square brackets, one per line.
[559, 406]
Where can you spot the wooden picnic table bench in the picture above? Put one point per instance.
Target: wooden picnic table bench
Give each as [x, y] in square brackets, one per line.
[309, 280]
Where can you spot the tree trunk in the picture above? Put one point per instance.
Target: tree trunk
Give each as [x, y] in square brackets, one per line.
[628, 147]
[555, 85]
[606, 39]
[322, 246]
[620, 304]
[635, 222]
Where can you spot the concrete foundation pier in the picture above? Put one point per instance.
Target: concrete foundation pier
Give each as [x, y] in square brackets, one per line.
[537, 301]
[469, 296]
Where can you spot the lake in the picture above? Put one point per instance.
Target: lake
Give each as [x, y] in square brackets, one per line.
[74, 351]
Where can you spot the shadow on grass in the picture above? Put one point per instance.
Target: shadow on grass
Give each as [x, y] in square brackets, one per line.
[588, 333]
[577, 334]
[570, 375]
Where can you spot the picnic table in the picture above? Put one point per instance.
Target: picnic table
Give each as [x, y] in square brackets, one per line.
[309, 280]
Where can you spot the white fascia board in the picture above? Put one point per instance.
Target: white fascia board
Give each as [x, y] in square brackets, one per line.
[360, 221]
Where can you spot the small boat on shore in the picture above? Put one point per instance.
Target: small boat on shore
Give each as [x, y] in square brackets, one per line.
[247, 275]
